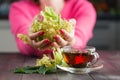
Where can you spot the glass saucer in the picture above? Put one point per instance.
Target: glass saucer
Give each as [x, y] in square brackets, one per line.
[95, 67]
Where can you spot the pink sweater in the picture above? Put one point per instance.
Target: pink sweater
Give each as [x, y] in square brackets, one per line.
[23, 12]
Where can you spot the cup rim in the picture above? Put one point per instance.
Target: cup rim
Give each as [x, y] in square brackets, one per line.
[91, 49]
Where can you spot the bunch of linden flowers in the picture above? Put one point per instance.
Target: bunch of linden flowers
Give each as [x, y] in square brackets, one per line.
[50, 23]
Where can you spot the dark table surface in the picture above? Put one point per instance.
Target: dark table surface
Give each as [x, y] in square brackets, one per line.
[9, 61]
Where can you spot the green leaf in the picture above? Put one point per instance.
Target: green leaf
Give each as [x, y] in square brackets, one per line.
[35, 69]
[19, 70]
[42, 70]
[30, 71]
[52, 69]
[31, 67]
[27, 69]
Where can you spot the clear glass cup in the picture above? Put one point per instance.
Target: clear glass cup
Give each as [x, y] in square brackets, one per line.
[80, 58]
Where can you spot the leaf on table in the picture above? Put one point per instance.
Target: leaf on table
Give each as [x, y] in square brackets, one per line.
[35, 69]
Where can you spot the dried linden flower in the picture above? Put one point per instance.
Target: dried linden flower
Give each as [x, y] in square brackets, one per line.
[47, 61]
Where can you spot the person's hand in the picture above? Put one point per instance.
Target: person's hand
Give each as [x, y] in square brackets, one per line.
[66, 39]
[42, 45]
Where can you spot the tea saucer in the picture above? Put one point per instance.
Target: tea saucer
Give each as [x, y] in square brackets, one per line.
[95, 67]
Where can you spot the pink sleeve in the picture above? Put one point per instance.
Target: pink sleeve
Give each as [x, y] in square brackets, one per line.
[86, 18]
[20, 23]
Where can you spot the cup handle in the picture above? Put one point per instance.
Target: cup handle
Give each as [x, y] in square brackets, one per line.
[96, 56]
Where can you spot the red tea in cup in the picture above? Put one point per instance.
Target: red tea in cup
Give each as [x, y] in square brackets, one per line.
[78, 58]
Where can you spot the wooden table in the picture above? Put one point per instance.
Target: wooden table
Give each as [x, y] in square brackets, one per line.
[110, 71]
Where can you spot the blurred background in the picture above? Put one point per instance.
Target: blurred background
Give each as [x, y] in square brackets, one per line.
[106, 32]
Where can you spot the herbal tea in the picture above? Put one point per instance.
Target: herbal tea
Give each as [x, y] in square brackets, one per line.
[78, 59]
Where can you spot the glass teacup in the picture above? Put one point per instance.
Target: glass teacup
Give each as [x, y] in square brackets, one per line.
[79, 58]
